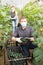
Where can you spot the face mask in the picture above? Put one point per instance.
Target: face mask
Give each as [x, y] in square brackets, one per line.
[23, 24]
[12, 10]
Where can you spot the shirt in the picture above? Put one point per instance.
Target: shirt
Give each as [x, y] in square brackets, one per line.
[19, 32]
[14, 17]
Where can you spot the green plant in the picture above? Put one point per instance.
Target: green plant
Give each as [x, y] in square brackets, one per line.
[15, 55]
[34, 14]
[5, 23]
[38, 56]
[25, 39]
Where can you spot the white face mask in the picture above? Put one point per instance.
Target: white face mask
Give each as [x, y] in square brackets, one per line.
[12, 10]
[23, 24]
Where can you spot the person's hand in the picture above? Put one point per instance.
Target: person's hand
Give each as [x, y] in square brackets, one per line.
[32, 39]
[18, 40]
[13, 39]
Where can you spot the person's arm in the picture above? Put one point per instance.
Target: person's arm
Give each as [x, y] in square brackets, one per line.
[15, 38]
[31, 38]
[17, 20]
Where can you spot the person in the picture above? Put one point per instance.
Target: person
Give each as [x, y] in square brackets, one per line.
[24, 31]
[14, 18]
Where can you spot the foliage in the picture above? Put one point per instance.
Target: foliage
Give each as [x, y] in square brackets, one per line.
[38, 56]
[34, 13]
[25, 40]
[15, 55]
[5, 23]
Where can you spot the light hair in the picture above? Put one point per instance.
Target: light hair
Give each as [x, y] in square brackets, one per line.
[12, 6]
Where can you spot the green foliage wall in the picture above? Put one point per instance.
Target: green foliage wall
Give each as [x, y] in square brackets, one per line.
[34, 13]
[5, 22]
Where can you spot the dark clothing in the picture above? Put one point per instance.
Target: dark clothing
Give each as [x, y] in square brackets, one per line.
[25, 33]
[25, 49]
[14, 19]
[18, 25]
[12, 14]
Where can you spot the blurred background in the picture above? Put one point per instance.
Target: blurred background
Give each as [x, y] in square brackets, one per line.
[33, 11]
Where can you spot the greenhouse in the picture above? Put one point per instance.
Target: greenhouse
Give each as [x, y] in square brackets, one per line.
[21, 32]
